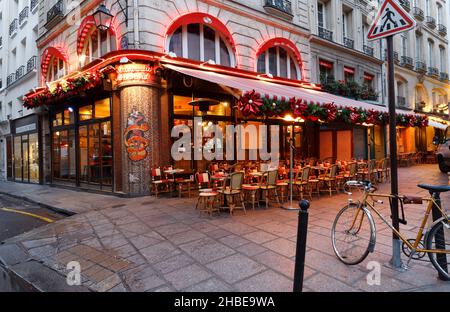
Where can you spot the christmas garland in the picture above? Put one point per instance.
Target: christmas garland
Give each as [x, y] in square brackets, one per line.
[252, 103]
[63, 89]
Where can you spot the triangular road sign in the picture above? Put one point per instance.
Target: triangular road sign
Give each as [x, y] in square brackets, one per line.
[391, 19]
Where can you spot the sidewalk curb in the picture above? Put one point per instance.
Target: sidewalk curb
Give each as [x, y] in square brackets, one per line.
[65, 212]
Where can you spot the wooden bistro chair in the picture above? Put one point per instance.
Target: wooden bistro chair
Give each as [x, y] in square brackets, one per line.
[268, 184]
[159, 181]
[351, 173]
[329, 180]
[302, 183]
[208, 198]
[233, 192]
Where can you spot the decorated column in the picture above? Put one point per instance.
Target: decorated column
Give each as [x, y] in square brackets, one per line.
[140, 137]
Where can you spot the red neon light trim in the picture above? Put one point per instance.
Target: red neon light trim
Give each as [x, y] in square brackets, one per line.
[86, 26]
[368, 76]
[349, 70]
[57, 52]
[326, 64]
[199, 18]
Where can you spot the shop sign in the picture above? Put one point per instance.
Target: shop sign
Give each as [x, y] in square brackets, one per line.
[27, 128]
[134, 74]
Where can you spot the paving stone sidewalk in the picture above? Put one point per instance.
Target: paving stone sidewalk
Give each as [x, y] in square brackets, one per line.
[147, 244]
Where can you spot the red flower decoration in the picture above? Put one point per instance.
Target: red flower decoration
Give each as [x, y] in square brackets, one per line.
[250, 103]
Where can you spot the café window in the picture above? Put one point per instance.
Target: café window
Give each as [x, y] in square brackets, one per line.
[368, 80]
[181, 107]
[201, 43]
[279, 62]
[57, 69]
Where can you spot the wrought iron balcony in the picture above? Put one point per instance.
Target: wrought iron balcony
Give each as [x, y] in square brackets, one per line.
[10, 79]
[325, 34]
[431, 22]
[31, 64]
[282, 8]
[443, 76]
[368, 50]
[23, 15]
[55, 14]
[33, 4]
[421, 67]
[407, 62]
[349, 43]
[442, 29]
[13, 27]
[418, 13]
[401, 101]
[20, 72]
[433, 72]
[406, 4]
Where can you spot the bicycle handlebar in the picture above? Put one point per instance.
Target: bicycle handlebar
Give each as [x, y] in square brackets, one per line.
[366, 184]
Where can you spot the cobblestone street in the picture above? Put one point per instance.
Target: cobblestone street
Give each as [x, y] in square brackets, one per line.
[147, 244]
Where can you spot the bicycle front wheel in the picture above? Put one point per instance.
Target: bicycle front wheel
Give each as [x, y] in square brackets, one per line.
[352, 234]
[438, 239]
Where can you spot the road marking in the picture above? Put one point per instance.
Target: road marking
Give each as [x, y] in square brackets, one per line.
[28, 214]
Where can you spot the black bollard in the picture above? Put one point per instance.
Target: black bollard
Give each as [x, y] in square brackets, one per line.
[436, 214]
[302, 231]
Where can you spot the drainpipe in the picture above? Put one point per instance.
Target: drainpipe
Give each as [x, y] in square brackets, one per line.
[136, 24]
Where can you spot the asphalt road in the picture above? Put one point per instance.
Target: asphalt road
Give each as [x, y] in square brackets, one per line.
[18, 216]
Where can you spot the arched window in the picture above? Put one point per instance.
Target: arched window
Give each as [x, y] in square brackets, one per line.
[201, 42]
[54, 63]
[280, 58]
[97, 44]
[93, 43]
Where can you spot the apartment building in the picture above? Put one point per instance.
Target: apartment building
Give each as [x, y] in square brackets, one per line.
[422, 71]
[344, 62]
[19, 143]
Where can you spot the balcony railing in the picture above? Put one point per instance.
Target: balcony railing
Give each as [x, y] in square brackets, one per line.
[418, 13]
[349, 43]
[13, 27]
[23, 15]
[407, 62]
[10, 79]
[433, 72]
[368, 50]
[325, 34]
[443, 76]
[31, 64]
[405, 4]
[33, 4]
[401, 101]
[279, 7]
[20, 72]
[442, 29]
[431, 22]
[421, 67]
[55, 14]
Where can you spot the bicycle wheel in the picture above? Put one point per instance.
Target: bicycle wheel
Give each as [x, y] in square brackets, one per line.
[438, 238]
[353, 234]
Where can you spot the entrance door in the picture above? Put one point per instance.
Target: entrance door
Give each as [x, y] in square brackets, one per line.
[9, 159]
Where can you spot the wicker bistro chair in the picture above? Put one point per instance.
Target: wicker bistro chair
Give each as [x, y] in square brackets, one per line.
[159, 181]
[302, 183]
[329, 180]
[250, 192]
[351, 173]
[233, 192]
[368, 173]
[267, 185]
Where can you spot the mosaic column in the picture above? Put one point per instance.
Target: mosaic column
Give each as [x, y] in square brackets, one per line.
[141, 133]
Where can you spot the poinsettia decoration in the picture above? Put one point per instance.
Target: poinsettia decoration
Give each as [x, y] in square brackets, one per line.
[63, 89]
[252, 103]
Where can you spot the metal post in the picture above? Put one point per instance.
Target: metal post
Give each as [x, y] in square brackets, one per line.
[302, 231]
[436, 213]
[396, 260]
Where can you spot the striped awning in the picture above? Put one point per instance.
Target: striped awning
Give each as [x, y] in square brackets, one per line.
[57, 52]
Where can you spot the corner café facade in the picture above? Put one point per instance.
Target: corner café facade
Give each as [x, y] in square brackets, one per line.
[111, 123]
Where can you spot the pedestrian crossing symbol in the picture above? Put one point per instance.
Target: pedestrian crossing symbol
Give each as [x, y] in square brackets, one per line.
[391, 19]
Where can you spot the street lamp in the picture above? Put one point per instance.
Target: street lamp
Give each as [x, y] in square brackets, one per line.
[103, 18]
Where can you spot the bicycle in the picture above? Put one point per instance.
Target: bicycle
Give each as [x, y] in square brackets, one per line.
[354, 234]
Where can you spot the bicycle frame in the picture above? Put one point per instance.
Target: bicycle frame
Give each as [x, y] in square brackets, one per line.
[415, 245]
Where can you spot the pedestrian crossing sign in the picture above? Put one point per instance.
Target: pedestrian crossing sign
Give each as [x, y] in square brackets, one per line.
[391, 19]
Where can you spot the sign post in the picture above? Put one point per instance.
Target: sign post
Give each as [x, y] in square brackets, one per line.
[390, 20]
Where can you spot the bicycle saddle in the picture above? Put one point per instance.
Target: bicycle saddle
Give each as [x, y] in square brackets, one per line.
[435, 189]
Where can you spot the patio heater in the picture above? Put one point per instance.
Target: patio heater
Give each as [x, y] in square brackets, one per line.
[290, 205]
